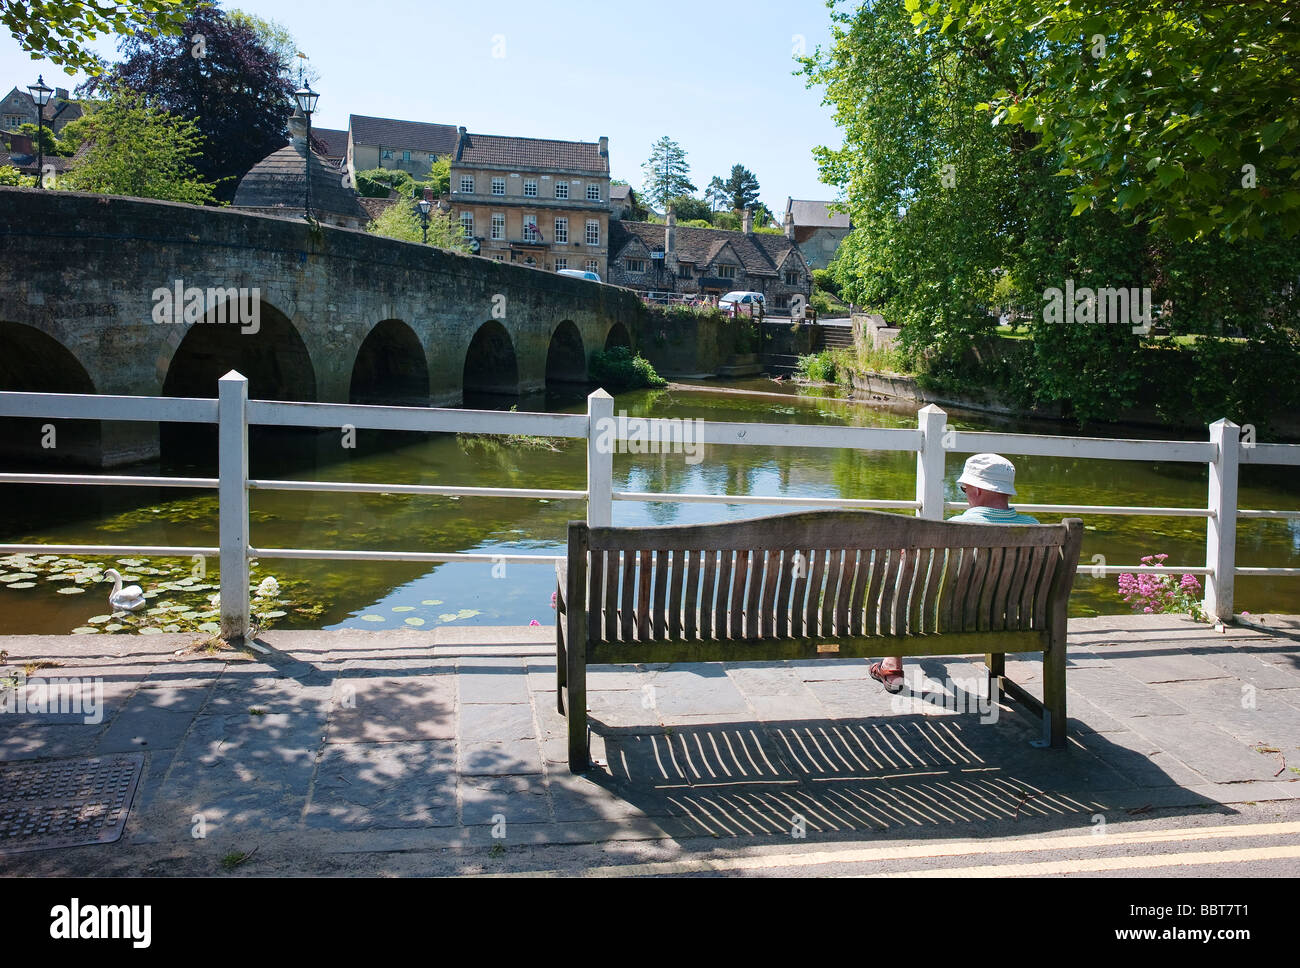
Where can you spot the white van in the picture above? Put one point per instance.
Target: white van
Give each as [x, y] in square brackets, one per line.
[746, 302]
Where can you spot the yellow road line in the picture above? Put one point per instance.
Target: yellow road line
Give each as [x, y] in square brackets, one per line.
[1082, 865]
[942, 848]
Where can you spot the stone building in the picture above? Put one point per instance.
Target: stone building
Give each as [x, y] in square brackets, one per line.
[411, 146]
[650, 257]
[533, 201]
[17, 108]
[277, 185]
[817, 231]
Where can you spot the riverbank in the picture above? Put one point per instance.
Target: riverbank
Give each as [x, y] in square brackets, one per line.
[362, 753]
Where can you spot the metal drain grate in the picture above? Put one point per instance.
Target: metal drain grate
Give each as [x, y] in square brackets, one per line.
[66, 803]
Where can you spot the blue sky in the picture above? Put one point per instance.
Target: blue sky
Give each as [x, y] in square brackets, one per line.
[714, 76]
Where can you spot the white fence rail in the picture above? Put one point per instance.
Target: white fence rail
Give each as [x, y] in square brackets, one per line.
[234, 413]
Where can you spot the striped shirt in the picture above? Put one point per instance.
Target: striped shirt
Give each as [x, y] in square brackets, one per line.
[984, 515]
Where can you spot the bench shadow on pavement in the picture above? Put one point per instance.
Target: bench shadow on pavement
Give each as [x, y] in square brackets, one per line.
[910, 775]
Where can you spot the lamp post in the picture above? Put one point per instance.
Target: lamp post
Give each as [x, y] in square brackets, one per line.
[424, 205]
[41, 96]
[307, 99]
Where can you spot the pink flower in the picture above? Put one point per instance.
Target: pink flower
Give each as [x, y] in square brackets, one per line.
[552, 599]
[534, 622]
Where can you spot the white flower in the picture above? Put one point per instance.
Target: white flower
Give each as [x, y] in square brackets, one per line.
[269, 588]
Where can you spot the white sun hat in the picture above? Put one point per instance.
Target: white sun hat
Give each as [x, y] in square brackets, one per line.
[991, 472]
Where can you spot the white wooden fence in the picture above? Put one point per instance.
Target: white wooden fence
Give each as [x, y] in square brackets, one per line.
[234, 413]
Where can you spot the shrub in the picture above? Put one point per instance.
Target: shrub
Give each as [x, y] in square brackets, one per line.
[818, 367]
[825, 282]
[618, 369]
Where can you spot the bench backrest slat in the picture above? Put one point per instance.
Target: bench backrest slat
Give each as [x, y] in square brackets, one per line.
[822, 575]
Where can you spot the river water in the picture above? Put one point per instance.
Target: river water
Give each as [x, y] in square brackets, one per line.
[375, 595]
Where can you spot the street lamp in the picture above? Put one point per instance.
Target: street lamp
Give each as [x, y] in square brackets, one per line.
[41, 96]
[425, 205]
[307, 99]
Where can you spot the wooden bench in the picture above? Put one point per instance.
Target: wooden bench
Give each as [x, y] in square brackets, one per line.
[815, 584]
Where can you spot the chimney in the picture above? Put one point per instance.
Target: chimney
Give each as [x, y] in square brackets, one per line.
[789, 224]
[61, 93]
[462, 137]
[604, 146]
[21, 144]
[748, 223]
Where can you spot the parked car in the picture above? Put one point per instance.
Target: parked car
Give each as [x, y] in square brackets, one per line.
[740, 301]
[579, 274]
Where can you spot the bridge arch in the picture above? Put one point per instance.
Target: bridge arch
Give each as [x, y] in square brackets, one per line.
[390, 367]
[491, 365]
[566, 357]
[617, 335]
[35, 362]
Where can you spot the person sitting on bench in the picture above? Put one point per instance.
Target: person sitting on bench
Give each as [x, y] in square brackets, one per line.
[987, 480]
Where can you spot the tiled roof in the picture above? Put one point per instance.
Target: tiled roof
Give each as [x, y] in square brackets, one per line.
[330, 142]
[499, 151]
[760, 253]
[619, 192]
[438, 138]
[816, 214]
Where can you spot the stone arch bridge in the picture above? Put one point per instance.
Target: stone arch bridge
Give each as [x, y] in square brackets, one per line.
[132, 296]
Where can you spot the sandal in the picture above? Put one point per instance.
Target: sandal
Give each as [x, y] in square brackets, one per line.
[891, 679]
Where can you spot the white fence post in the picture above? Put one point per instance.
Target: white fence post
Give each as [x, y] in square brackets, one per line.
[600, 459]
[1221, 529]
[232, 462]
[930, 463]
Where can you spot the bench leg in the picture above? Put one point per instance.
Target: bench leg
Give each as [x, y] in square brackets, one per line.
[576, 672]
[561, 662]
[997, 666]
[1054, 721]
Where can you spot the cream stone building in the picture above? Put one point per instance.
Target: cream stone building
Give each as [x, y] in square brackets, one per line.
[537, 202]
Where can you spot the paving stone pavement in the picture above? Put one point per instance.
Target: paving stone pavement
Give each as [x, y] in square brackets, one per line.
[396, 740]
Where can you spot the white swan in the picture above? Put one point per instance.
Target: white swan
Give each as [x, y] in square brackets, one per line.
[127, 599]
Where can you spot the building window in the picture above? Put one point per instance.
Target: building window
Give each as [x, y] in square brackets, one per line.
[498, 186]
[561, 264]
[593, 193]
[406, 156]
[726, 272]
[15, 121]
[792, 278]
[634, 265]
[530, 187]
[467, 223]
[561, 189]
[467, 184]
[530, 228]
[561, 231]
[498, 225]
[684, 271]
[386, 153]
[782, 302]
[593, 233]
[593, 265]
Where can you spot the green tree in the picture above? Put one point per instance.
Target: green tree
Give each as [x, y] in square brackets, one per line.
[741, 188]
[716, 193]
[279, 40]
[136, 150]
[61, 30]
[52, 144]
[401, 220]
[11, 176]
[1176, 114]
[688, 208]
[439, 177]
[666, 173]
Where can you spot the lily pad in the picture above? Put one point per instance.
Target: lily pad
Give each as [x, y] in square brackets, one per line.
[85, 630]
[414, 621]
[448, 617]
[72, 591]
[23, 584]
[275, 614]
[373, 618]
[151, 630]
[98, 619]
[403, 608]
[114, 627]
[431, 601]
